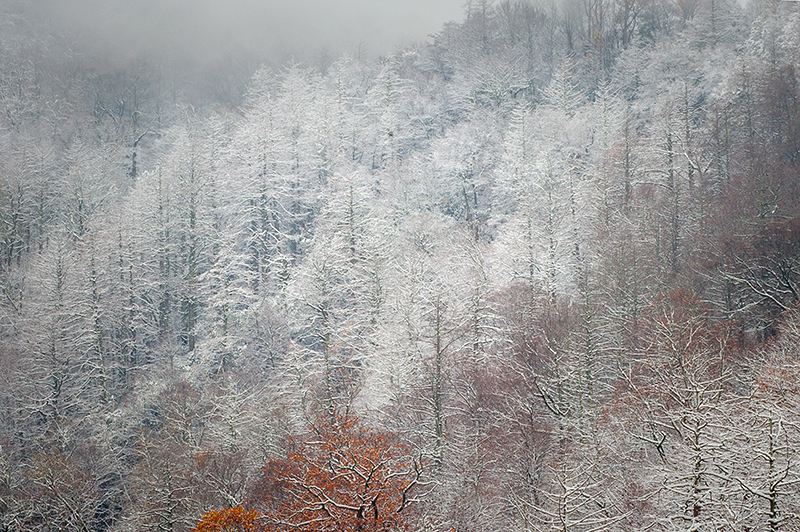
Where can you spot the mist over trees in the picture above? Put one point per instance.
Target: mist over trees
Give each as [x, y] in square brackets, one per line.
[539, 273]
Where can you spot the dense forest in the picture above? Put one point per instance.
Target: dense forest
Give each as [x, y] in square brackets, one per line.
[539, 273]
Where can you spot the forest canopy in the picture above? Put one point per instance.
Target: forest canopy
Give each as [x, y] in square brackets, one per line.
[549, 260]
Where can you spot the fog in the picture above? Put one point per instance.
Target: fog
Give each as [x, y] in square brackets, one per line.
[205, 30]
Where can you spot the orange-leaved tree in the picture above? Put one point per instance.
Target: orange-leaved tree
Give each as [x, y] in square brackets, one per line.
[229, 520]
[343, 477]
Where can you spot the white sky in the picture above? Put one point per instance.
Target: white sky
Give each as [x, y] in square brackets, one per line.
[208, 27]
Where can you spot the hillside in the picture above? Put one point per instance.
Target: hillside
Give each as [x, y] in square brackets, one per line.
[551, 258]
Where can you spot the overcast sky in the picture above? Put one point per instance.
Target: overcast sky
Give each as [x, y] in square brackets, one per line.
[213, 27]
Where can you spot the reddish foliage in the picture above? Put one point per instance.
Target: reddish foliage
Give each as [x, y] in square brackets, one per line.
[229, 520]
[344, 478]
